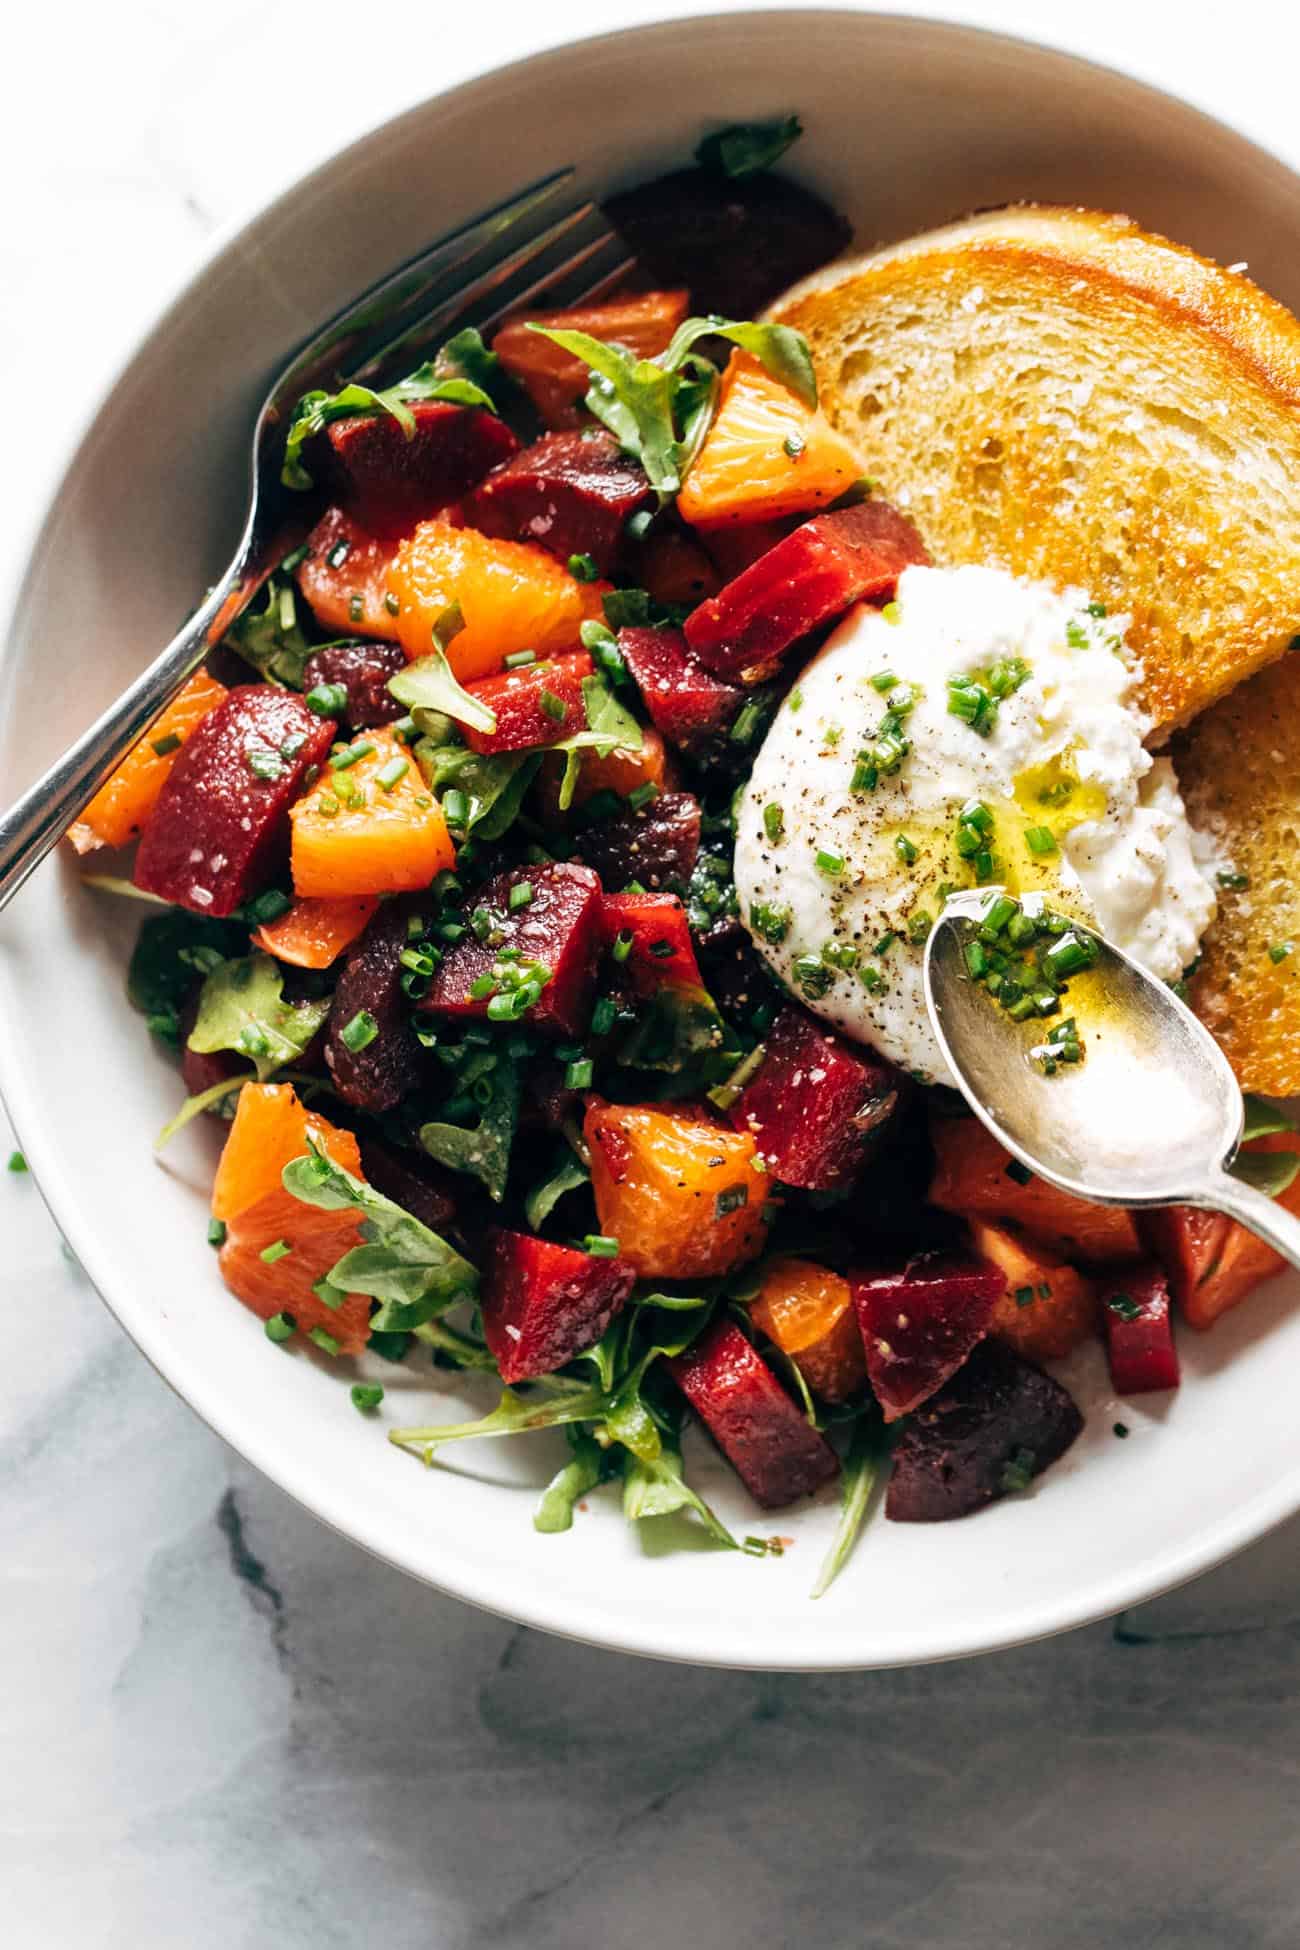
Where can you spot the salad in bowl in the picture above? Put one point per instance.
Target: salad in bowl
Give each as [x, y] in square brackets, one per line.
[545, 861]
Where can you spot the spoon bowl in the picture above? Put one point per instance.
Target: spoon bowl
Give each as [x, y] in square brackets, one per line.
[1151, 1115]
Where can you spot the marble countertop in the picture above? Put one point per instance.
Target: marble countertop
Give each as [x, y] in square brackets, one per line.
[220, 1725]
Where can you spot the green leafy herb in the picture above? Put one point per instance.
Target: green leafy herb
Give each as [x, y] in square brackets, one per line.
[17, 1162]
[403, 1264]
[609, 728]
[432, 685]
[170, 951]
[746, 148]
[1264, 1119]
[315, 410]
[657, 1488]
[1271, 1172]
[465, 356]
[242, 1008]
[581, 1473]
[674, 1028]
[270, 637]
[483, 1151]
[1018, 1472]
[863, 1462]
[566, 1176]
[493, 784]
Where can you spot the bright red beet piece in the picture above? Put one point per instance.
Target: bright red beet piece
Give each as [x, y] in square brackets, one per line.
[759, 1430]
[806, 580]
[919, 1322]
[658, 938]
[1140, 1331]
[691, 707]
[559, 928]
[363, 669]
[816, 1103]
[543, 1303]
[220, 830]
[657, 844]
[390, 481]
[571, 493]
[537, 705]
[997, 1424]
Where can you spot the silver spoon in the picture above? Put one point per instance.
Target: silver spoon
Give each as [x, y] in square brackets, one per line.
[1152, 1115]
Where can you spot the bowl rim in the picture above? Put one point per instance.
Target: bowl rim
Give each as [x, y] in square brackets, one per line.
[500, 1591]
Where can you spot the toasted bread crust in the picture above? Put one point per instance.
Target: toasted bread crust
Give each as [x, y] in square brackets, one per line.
[1063, 394]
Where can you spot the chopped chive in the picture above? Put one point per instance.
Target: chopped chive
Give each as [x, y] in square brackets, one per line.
[1279, 950]
[773, 821]
[794, 444]
[481, 923]
[622, 947]
[391, 604]
[643, 795]
[1124, 1306]
[347, 755]
[582, 568]
[905, 850]
[831, 864]
[811, 976]
[366, 1395]
[325, 1342]
[17, 1163]
[578, 1075]
[883, 681]
[455, 807]
[555, 707]
[339, 554]
[1018, 1174]
[481, 987]
[281, 1327]
[600, 1246]
[520, 659]
[389, 775]
[520, 895]
[216, 1231]
[169, 742]
[1040, 839]
[263, 763]
[360, 1032]
[662, 950]
[771, 920]
[1024, 1296]
[1121, 1429]
[604, 1016]
[279, 1249]
[730, 1201]
[419, 961]
[1234, 882]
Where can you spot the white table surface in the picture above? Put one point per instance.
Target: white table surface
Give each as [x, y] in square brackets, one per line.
[221, 1726]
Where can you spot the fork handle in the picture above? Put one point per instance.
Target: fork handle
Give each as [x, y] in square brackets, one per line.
[1261, 1214]
[37, 821]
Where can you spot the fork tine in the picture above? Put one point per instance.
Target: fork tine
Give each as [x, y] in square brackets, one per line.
[498, 288]
[587, 275]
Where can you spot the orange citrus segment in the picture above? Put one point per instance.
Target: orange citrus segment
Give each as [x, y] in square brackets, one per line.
[344, 577]
[314, 932]
[119, 809]
[555, 380]
[683, 1197]
[372, 827]
[512, 595]
[767, 454]
[808, 1311]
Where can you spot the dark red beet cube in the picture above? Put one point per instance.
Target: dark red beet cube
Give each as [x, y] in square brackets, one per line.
[559, 928]
[542, 1304]
[537, 705]
[1140, 1330]
[806, 580]
[657, 844]
[389, 481]
[920, 1321]
[690, 706]
[412, 1180]
[363, 669]
[220, 829]
[999, 1422]
[377, 1076]
[816, 1104]
[649, 937]
[759, 1430]
[571, 493]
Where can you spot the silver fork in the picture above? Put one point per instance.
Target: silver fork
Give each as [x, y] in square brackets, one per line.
[535, 249]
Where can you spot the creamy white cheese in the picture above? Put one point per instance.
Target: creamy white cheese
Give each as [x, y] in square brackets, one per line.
[1064, 755]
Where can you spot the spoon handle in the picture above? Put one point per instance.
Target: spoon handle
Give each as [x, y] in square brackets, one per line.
[1256, 1210]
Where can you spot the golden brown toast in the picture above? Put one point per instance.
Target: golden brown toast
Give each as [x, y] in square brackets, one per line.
[1061, 393]
[1239, 766]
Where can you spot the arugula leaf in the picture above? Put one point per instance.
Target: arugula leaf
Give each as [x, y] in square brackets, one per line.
[242, 1008]
[609, 728]
[1264, 1119]
[432, 685]
[1272, 1172]
[494, 783]
[464, 1352]
[581, 1473]
[483, 1151]
[170, 951]
[465, 356]
[747, 148]
[271, 638]
[567, 1175]
[657, 1488]
[316, 410]
[195, 1106]
[514, 1414]
[413, 1272]
[674, 1029]
[865, 1458]
[780, 348]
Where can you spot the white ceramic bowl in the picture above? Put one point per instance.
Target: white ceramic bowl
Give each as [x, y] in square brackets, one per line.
[907, 124]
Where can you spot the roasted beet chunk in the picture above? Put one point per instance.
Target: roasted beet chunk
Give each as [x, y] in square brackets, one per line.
[920, 1321]
[816, 1103]
[1139, 1330]
[370, 1048]
[389, 481]
[363, 669]
[572, 493]
[649, 937]
[220, 830]
[999, 1422]
[738, 245]
[690, 706]
[806, 580]
[555, 929]
[411, 1180]
[543, 1303]
[538, 705]
[656, 844]
[759, 1430]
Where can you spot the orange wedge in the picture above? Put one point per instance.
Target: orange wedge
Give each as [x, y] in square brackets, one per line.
[512, 595]
[344, 577]
[119, 809]
[314, 932]
[767, 454]
[371, 827]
